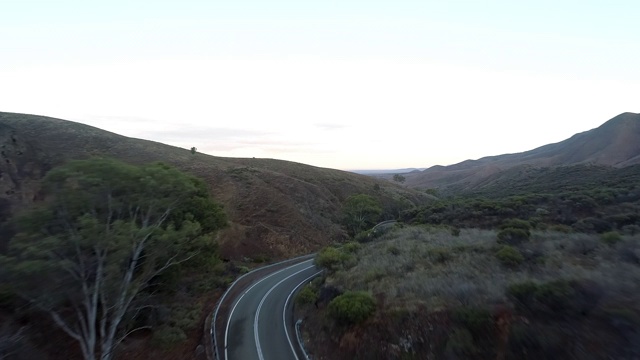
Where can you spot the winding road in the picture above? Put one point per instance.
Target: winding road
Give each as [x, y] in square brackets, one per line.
[259, 325]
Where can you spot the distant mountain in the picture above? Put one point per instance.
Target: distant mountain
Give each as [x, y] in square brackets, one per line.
[386, 172]
[615, 143]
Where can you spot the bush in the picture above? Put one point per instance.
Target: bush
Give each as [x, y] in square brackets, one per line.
[455, 231]
[631, 229]
[524, 293]
[610, 238]
[591, 225]
[331, 258]
[509, 256]
[166, 336]
[364, 236]
[513, 236]
[7, 296]
[439, 254]
[460, 343]
[555, 295]
[477, 321]
[352, 307]
[629, 252]
[351, 247]
[308, 295]
[561, 228]
[516, 224]
[393, 250]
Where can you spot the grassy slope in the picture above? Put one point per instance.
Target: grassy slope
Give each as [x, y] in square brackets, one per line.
[443, 296]
[277, 208]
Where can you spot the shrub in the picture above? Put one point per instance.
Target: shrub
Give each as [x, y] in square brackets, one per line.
[476, 320]
[583, 245]
[460, 343]
[185, 317]
[7, 296]
[556, 295]
[523, 292]
[439, 254]
[351, 247]
[591, 225]
[364, 236]
[393, 250]
[629, 252]
[166, 336]
[308, 295]
[352, 307]
[513, 236]
[331, 258]
[631, 229]
[561, 228]
[516, 224]
[610, 238]
[509, 256]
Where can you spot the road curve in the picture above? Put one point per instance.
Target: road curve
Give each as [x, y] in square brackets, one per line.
[259, 326]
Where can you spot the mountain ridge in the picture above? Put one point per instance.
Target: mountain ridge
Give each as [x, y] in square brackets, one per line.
[276, 208]
[615, 143]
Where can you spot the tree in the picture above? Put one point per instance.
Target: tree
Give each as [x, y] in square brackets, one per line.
[193, 150]
[360, 212]
[105, 231]
[399, 178]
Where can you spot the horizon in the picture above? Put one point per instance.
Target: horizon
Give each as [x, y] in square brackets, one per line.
[350, 86]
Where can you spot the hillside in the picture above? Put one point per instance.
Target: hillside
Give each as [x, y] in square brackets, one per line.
[276, 208]
[616, 143]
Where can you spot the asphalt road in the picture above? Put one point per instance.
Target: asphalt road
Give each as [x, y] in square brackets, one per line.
[256, 328]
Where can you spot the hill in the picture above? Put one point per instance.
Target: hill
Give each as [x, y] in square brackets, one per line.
[616, 143]
[276, 208]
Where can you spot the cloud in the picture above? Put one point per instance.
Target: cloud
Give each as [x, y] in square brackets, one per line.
[191, 133]
[330, 126]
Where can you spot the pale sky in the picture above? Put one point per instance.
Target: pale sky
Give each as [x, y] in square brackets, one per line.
[333, 83]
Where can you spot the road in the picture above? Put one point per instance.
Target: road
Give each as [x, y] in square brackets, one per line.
[255, 329]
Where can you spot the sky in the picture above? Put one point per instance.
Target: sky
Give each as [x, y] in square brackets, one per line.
[339, 84]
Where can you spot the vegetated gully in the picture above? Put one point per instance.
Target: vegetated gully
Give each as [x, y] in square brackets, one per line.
[254, 317]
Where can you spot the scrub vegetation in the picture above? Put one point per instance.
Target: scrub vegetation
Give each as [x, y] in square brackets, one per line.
[442, 296]
[539, 266]
[110, 250]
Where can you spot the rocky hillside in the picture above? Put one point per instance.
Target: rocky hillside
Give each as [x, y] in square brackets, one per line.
[277, 208]
[615, 143]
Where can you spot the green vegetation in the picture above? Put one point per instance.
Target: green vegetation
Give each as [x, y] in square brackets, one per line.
[307, 295]
[474, 294]
[611, 237]
[583, 198]
[352, 307]
[360, 212]
[332, 258]
[399, 178]
[509, 256]
[88, 255]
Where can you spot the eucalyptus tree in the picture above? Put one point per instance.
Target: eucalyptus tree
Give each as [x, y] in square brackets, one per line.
[104, 231]
[360, 212]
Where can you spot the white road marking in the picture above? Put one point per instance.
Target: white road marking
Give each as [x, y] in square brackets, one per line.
[284, 311]
[255, 320]
[226, 331]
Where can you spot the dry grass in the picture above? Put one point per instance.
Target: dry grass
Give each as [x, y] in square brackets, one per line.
[425, 266]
